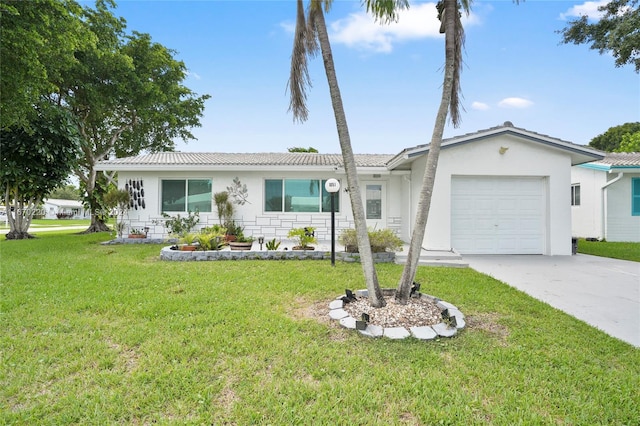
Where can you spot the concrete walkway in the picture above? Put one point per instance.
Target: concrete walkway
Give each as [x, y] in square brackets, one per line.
[602, 292]
[36, 229]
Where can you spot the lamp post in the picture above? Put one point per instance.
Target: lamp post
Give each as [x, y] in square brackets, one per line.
[333, 186]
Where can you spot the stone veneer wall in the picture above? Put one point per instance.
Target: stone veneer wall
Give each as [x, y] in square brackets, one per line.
[278, 225]
[176, 255]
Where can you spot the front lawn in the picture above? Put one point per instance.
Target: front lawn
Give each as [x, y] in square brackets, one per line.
[50, 223]
[624, 251]
[96, 334]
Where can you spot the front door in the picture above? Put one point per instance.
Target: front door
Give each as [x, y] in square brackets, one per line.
[375, 199]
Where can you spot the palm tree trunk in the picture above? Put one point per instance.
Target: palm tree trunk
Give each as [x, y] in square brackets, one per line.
[424, 203]
[376, 298]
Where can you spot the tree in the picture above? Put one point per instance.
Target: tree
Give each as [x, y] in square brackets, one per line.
[610, 140]
[65, 192]
[38, 39]
[118, 199]
[300, 149]
[616, 32]
[127, 94]
[311, 34]
[630, 143]
[35, 160]
[449, 15]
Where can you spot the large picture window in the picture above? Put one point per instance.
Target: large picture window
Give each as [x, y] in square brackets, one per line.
[183, 195]
[297, 196]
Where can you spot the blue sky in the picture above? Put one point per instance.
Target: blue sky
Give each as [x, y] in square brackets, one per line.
[390, 76]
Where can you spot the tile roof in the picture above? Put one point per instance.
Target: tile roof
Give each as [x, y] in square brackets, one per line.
[621, 159]
[582, 152]
[248, 159]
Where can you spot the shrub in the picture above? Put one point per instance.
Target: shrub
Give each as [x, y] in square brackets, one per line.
[211, 241]
[180, 225]
[273, 244]
[303, 236]
[381, 240]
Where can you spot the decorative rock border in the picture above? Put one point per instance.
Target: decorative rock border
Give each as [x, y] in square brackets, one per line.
[199, 255]
[450, 315]
[126, 240]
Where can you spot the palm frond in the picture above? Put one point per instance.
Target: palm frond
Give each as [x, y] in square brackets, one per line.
[385, 11]
[305, 46]
[456, 90]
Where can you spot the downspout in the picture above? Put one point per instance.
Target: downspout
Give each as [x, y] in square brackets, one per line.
[604, 202]
[407, 178]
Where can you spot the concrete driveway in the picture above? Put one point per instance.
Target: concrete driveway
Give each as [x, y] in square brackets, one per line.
[602, 292]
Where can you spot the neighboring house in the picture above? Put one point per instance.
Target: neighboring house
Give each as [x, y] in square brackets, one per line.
[499, 190]
[72, 208]
[605, 198]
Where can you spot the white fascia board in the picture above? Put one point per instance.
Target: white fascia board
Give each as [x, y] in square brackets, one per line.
[235, 168]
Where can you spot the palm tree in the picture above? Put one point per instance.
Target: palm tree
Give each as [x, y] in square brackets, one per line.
[451, 26]
[311, 34]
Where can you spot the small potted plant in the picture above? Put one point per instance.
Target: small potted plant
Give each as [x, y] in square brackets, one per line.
[241, 242]
[304, 237]
[136, 233]
[188, 242]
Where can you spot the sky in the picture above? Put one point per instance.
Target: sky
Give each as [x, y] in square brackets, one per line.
[390, 76]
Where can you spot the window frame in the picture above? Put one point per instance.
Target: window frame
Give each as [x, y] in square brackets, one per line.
[323, 207]
[185, 194]
[575, 195]
[635, 196]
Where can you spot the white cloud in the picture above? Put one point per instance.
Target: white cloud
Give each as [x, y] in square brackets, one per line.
[194, 75]
[359, 30]
[288, 26]
[515, 103]
[480, 106]
[589, 9]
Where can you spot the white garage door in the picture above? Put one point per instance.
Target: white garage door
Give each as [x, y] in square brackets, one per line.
[498, 215]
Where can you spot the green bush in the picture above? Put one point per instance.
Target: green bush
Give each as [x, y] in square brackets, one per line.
[303, 236]
[211, 241]
[381, 240]
[273, 244]
[180, 225]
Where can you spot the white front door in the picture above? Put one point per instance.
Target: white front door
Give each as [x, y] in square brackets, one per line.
[375, 204]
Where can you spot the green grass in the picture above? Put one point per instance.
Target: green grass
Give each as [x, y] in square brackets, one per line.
[52, 223]
[95, 334]
[624, 251]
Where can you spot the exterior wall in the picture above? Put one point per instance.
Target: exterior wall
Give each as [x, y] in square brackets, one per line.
[620, 224]
[483, 158]
[586, 219]
[252, 215]
[51, 210]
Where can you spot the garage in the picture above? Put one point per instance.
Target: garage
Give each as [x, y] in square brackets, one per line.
[498, 214]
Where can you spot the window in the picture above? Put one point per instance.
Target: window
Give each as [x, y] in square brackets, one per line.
[182, 195]
[575, 194]
[374, 201]
[635, 196]
[297, 196]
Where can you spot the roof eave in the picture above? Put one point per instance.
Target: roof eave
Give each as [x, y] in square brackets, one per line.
[579, 154]
[235, 168]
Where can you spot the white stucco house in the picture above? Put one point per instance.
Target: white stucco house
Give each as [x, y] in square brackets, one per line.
[500, 190]
[605, 198]
[53, 206]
